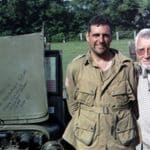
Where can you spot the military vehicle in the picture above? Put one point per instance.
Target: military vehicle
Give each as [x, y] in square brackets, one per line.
[32, 108]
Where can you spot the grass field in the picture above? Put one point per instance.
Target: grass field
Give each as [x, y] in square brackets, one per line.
[73, 49]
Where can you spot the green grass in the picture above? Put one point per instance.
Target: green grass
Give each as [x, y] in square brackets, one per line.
[73, 49]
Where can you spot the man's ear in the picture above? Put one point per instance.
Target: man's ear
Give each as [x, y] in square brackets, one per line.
[87, 36]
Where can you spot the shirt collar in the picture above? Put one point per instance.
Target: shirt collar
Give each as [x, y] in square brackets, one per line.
[89, 60]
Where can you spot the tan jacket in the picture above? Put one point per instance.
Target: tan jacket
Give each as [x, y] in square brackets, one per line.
[103, 107]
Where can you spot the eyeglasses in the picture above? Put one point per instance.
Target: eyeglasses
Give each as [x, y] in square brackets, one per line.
[141, 52]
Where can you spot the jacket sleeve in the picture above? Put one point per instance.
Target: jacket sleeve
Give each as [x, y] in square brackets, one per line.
[70, 85]
[132, 78]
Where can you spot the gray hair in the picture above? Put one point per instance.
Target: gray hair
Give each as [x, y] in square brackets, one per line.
[144, 33]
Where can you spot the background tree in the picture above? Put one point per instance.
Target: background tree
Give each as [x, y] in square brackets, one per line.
[84, 10]
[123, 13]
[142, 20]
[64, 20]
[25, 16]
[20, 16]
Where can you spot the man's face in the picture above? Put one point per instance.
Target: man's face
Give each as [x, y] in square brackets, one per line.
[99, 38]
[143, 51]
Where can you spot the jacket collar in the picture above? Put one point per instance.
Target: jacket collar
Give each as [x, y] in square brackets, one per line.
[120, 59]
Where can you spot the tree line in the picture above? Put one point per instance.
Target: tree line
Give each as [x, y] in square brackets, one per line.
[64, 20]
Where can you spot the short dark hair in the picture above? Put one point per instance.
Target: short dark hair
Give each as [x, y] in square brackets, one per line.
[99, 20]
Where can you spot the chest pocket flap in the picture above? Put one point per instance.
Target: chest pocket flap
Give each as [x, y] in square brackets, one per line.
[86, 94]
[119, 89]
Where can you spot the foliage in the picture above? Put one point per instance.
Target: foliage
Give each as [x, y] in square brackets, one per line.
[84, 10]
[124, 13]
[142, 20]
[20, 16]
[58, 37]
[24, 16]
[69, 18]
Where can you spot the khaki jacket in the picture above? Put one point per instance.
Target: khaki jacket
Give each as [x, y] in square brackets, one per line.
[103, 109]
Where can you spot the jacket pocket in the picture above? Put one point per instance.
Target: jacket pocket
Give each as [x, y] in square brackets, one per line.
[119, 94]
[126, 130]
[86, 94]
[84, 129]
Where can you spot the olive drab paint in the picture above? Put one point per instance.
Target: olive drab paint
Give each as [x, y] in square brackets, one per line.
[22, 79]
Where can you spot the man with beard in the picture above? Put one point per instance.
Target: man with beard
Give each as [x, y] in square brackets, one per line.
[101, 94]
[142, 49]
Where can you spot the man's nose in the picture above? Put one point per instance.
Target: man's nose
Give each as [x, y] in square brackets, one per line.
[147, 53]
[101, 38]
